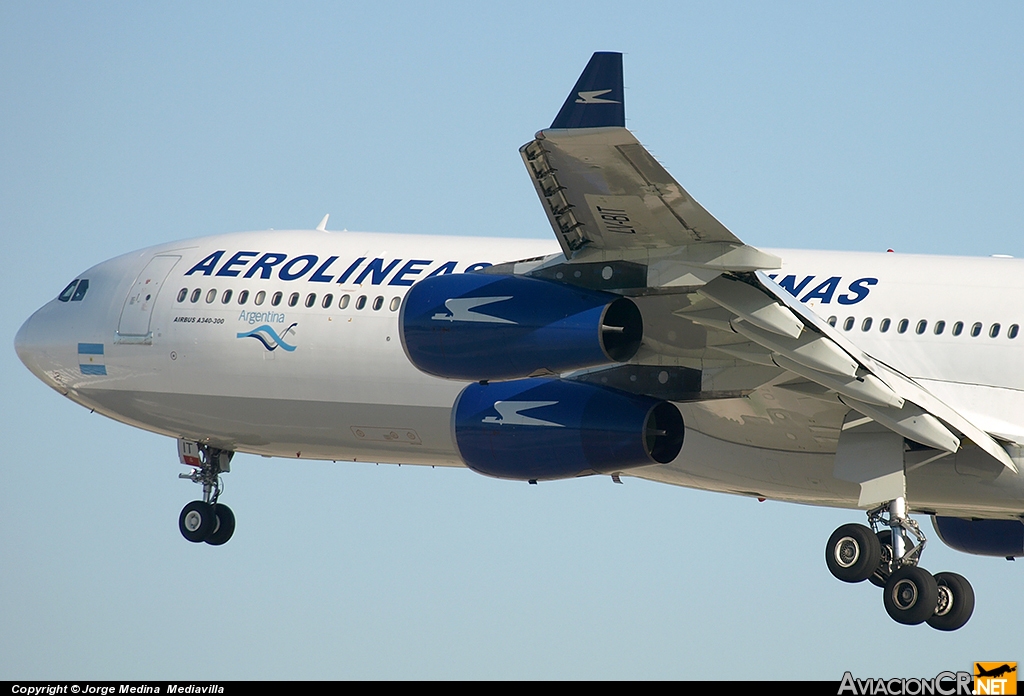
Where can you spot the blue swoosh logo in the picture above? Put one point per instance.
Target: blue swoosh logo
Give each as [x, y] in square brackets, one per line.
[269, 338]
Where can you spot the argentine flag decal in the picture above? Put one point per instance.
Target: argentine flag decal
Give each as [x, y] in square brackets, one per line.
[90, 359]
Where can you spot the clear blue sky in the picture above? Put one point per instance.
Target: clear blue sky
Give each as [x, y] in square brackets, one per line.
[824, 125]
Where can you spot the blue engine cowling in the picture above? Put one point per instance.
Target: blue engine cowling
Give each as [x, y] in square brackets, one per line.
[478, 326]
[545, 428]
[1004, 538]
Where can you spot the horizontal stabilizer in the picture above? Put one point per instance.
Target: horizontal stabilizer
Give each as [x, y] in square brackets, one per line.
[597, 99]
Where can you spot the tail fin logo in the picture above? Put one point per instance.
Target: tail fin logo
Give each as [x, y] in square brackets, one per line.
[594, 97]
[266, 335]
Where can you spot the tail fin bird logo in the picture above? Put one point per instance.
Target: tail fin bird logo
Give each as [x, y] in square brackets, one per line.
[594, 97]
[266, 335]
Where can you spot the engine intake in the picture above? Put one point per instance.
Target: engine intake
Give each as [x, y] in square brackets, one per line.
[543, 429]
[477, 326]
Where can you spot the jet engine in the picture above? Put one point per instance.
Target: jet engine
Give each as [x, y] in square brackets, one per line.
[478, 326]
[981, 537]
[544, 428]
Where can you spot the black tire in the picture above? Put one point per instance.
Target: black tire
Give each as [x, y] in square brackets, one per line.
[910, 595]
[852, 553]
[955, 602]
[225, 526]
[196, 521]
[881, 573]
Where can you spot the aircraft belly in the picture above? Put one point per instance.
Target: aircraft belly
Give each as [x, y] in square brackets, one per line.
[708, 463]
[289, 427]
[969, 484]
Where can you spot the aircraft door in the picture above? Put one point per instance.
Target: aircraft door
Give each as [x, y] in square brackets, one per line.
[138, 306]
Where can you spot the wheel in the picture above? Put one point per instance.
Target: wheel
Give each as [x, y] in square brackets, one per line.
[224, 527]
[910, 595]
[955, 603]
[852, 553]
[881, 573]
[196, 521]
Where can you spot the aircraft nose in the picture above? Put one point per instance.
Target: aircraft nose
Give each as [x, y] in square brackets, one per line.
[23, 342]
[44, 349]
[26, 345]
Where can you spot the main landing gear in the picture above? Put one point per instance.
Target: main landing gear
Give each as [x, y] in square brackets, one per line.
[206, 519]
[887, 554]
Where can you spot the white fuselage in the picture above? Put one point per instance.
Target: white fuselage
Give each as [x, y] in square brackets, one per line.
[156, 343]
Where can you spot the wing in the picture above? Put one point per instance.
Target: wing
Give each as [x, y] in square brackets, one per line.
[602, 190]
[608, 200]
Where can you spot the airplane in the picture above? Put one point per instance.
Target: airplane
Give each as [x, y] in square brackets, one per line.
[996, 671]
[644, 340]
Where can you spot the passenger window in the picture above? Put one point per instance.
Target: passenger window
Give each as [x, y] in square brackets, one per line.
[832, 321]
[83, 287]
[195, 295]
[360, 301]
[883, 325]
[848, 324]
[994, 331]
[866, 325]
[378, 302]
[310, 299]
[343, 303]
[396, 302]
[182, 294]
[940, 326]
[1012, 331]
[211, 296]
[275, 299]
[226, 297]
[67, 292]
[902, 326]
[976, 329]
[293, 299]
[243, 296]
[260, 296]
[328, 299]
[958, 328]
[922, 326]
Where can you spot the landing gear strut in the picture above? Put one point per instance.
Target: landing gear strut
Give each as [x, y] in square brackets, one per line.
[888, 553]
[206, 519]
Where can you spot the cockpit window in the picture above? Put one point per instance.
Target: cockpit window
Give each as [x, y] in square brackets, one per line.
[83, 287]
[75, 290]
[67, 292]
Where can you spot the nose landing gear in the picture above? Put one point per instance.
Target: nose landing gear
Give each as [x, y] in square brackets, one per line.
[889, 558]
[206, 519]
